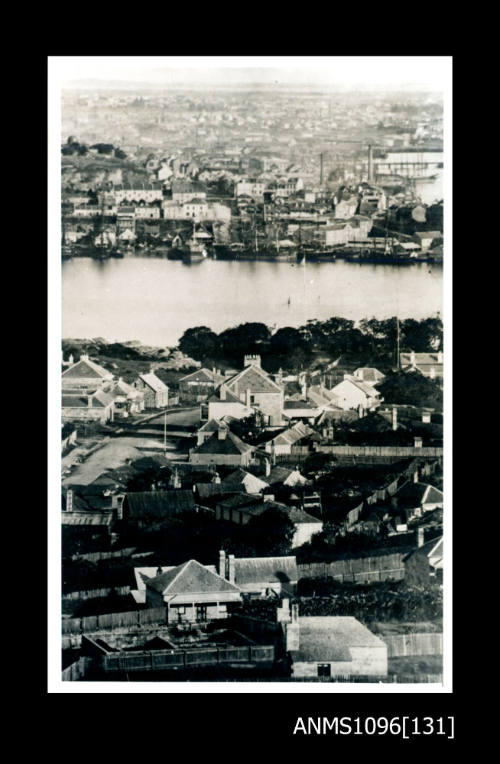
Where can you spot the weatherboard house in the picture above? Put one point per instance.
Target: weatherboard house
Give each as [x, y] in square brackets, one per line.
[155, 391]
[191, 592]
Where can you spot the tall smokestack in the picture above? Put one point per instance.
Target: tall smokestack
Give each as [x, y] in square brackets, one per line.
[370, 164]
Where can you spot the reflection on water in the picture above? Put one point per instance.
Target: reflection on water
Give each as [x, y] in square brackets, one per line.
[155, 300]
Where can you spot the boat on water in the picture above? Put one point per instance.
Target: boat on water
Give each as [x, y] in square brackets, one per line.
[318, 255]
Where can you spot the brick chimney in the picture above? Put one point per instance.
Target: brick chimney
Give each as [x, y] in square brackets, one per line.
[222, 563]
[221, 433]
[420, 537]
[231, 568]
[292, 630]
[69, 500]
[417, 442]
[394, 418]
[84, 357]
[251, 360]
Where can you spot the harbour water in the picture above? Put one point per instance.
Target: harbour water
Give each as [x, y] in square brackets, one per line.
[154, 300]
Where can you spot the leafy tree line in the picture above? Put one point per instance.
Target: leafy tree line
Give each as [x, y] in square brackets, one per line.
[385, 601]
[293, 348]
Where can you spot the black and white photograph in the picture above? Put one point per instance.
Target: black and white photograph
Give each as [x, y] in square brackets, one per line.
[249, 291]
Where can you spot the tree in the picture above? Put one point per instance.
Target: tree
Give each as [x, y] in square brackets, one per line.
[425, 336]
[243, 339]
[411, 388]
[199, 343]
[272, 532]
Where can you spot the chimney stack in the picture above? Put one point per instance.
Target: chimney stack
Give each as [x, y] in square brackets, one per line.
[159, 570]
[222, 392]
[420, 537]
[412, 358]
[221, 433]
[84, 357]
[222, 563]
[231, 569]
[303, 391]
[71, 359]
[394, 418]
[417, 442]
[292, 630]
[268, 467]
[69, 500]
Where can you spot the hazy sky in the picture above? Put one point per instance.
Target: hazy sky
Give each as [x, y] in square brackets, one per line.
[337, 72]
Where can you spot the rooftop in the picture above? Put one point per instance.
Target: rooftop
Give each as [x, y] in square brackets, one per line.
[331, 638]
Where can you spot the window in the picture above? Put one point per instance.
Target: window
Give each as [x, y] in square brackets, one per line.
[324, 669]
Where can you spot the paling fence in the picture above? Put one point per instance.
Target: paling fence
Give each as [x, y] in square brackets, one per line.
[97, 556]
[90, 594]
[357, 569]
[401, 645]
[398, 452]
[110, 621]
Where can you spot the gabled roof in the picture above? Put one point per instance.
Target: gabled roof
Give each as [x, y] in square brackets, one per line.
[330, 638]
[159, 504]
[99, 399]
[86, 368]
[207, 490]
[369, 374]
[205, 374]
[190, 578]
[231, 444]
[368, 390]
[265, 569]
[239, 500]
[230, 397]
[299, 516]
[144, 574]
[417, 494]
[252, 483]
[152, 381]
[292, 435]
[286, 476]
[254, 378]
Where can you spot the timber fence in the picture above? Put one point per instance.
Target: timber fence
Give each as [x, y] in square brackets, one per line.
[388, 567]
[110, 621]
[76, 670]
[400, 645]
